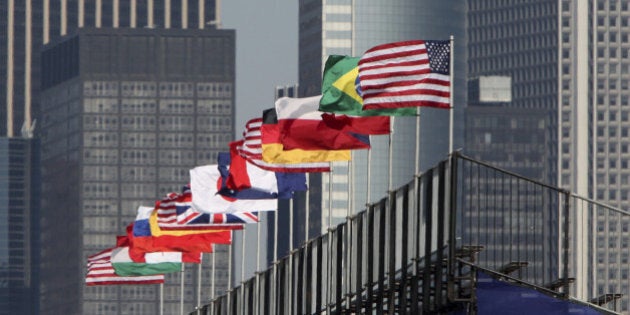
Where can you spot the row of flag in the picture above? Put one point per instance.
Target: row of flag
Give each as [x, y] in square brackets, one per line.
[269, 162]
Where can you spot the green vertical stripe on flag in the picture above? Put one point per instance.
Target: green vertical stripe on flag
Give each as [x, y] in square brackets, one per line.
[339, 94]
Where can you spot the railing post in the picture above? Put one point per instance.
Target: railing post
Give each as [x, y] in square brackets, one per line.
[441, 221]
[452, 228]
[565, 243]
[404, 256]
[426, 272]
[391, 300]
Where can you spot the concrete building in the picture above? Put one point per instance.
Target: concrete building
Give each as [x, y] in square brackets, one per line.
[125, 114]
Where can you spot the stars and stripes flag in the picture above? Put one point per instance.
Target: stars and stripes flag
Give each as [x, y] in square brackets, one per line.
[406, 74]
[100, 271]
[251, 149]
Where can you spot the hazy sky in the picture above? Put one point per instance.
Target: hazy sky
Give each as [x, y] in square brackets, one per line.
[266, 51]
[266, 56]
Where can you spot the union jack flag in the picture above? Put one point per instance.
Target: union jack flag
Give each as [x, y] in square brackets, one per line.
[175, 213]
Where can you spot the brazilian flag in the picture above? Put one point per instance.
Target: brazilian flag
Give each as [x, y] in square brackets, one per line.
[341, 92]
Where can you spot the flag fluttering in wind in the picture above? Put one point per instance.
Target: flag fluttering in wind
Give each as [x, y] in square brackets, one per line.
[174, 213]
[101, 272]
[341, 94]
[205, 183]
[251, 148]
[302, 127]
[406, 74]
[141, 242]
[150, 263]
[244, 180]
[273, 151]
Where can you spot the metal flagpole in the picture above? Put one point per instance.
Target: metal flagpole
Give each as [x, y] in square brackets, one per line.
[368, 181]
[257, 295]
[306, 210]
[161, 298]
[229, 288]
[275, 260]
[181, 292]
[329, 261]
[244, 233]
[416, 181]
[391, 153]
[349, 213]
[451, 68]
[212, 292]
[199, 283]
[289, 278]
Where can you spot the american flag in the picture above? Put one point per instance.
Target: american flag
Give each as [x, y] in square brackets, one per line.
[101, 272]
[406, 74]
[175, 213]
[250, 147]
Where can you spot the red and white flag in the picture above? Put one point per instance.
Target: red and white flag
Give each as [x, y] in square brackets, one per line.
[101, 272]
[302, 126]
[406, 74]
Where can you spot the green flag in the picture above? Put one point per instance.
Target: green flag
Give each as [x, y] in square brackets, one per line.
[339, 94]
[155, 263]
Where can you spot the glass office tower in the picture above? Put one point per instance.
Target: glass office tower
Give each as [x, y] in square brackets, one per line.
[125, 115]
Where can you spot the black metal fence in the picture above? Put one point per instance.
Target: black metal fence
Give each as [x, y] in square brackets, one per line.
[405, 253]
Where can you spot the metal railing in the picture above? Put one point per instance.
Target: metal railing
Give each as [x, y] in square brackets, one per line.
[403, 254]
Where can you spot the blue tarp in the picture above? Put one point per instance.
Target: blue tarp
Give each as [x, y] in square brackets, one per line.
[500, 297]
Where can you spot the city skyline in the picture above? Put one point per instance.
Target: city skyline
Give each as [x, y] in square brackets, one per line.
[572, 117]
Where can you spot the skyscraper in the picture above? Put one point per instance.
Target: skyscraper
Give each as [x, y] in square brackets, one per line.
[346, 27]
[570, 58]
[27, 25]
[125, 114]
[19, 220]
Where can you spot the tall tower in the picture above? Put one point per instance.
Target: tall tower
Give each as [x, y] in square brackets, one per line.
[570, 60]
[125, 115]
[348, 27]
[19, 220]
[26, 25]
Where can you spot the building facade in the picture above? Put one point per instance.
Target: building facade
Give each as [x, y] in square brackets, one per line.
[346, 27]
[569, 58]
[27, 25]
[125, 115]
[19, 220]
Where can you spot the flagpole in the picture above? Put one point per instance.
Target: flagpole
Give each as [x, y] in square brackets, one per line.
[161, 298]
[349, 213]
[257, 295]
[199, 283]
[181, 292]
[243, 267]
[307, 208]
[229, 288]
[275, 260]
[291, 224]
[329, 262]
[212, 292]
[368, 181]
[451, 74]
[391, 150]
[290, 284]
